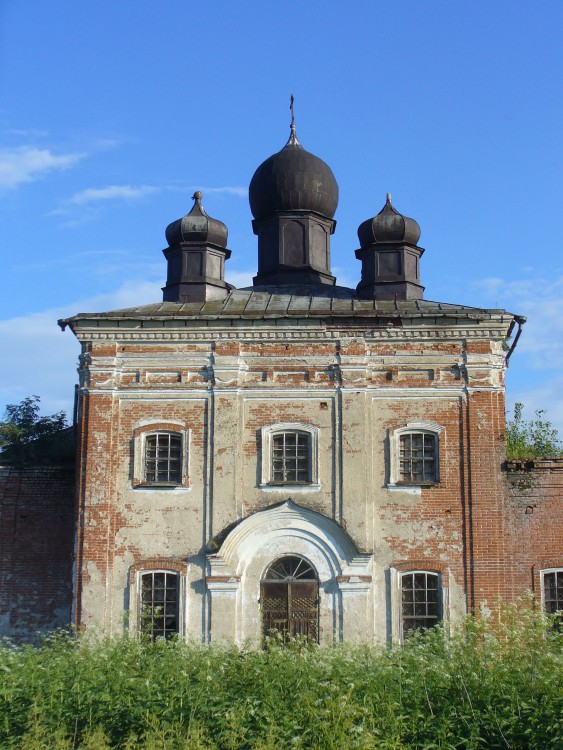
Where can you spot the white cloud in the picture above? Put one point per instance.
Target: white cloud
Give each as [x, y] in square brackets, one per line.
[541, 301]
[111, 193]
[26, 133]
[27, 163]
[544, 396]
[239, 279]
[40, 359]
[534, 377]
[343, 277]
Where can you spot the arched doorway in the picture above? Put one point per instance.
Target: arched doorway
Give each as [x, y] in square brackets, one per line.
[289, 599]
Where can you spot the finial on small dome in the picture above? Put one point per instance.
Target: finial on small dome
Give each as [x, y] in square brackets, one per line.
[389, 199]
[293, 140]
[197, 196]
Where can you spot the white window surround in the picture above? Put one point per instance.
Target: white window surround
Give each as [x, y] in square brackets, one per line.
[267, 433]
[428, 428]
[543, 573]
[135, 597]
[396, 584]
[139, 451]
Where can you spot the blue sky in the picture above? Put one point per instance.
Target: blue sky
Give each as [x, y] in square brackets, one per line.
[113, 113]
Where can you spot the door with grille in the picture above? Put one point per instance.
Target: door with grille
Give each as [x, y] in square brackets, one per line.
[289, 598]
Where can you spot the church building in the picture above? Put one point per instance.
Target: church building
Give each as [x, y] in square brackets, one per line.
[294, 457]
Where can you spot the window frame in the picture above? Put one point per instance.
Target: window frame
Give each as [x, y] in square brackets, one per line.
[141, 604]
[438, 618]
[156, 565]
[394, 578]
[140, 444]
[413, 428]
[268, 433]
[557, 571]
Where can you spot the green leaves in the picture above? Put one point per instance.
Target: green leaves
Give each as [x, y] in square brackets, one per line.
[492, 685]
[529, 439]
[26, 437]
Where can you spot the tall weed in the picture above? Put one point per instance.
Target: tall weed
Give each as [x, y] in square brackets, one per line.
[490, 685]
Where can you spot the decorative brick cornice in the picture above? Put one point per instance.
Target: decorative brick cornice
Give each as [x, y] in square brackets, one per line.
[314, 334]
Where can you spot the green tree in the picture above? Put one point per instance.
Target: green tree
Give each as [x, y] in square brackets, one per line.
[26, 437]
[530, 438]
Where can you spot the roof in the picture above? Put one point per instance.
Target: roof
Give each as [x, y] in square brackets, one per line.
[292, 302]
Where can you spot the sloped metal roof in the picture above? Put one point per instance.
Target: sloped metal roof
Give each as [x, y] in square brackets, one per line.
[268, 303]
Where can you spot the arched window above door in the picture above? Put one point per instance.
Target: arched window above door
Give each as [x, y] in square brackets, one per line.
[291, 568]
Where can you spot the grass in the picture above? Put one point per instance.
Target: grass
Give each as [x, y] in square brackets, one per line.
[488, 686]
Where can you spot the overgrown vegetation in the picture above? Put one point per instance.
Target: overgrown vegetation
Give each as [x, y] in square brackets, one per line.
[27, 438]
[531, 438]
[487, 687]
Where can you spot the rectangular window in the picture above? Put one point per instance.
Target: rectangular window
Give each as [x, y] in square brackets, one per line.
[163, 458]
[420, 605]
[553, 592]
[417, 457]
[291, 463]
[159, 615]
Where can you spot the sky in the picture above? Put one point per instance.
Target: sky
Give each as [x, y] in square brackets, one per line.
[113, 113]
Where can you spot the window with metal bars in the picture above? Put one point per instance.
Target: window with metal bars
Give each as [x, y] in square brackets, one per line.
[420, 601]
[159, 610]
[291, 458]
[417, 458]
[553, 591]
[163, 458]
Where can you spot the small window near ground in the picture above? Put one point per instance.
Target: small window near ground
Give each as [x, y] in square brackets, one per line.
[417, 458]
[420, 601]
[163, 458]
[553, 591]
[159, 610]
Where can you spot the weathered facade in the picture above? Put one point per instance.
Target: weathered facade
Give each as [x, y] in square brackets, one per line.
[295, 456]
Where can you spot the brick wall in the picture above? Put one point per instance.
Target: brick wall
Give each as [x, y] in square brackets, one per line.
[534, 521]
[36, 544]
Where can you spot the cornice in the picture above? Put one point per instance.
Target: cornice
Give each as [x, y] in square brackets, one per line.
[295, 334]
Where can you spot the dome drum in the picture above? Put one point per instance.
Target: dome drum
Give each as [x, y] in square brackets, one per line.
[294, 248]
[390, 273]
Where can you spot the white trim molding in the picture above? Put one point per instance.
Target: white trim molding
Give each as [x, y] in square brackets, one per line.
[155, 565]
[394, 469]
[140, 435]
[395, 582]
[345, 574]
[266, 478]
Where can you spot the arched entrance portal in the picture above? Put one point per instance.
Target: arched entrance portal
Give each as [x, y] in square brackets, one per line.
[289, 599]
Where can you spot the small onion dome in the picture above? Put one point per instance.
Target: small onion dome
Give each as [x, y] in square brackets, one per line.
[293, 180]
[389, 226]
[197, 226]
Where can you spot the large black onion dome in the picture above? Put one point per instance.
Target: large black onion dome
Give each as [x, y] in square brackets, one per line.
[293, 180]
[197, 226]
[388, 226]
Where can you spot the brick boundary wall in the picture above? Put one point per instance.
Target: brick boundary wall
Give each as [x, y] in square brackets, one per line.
[36, 549]
[534, 520]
